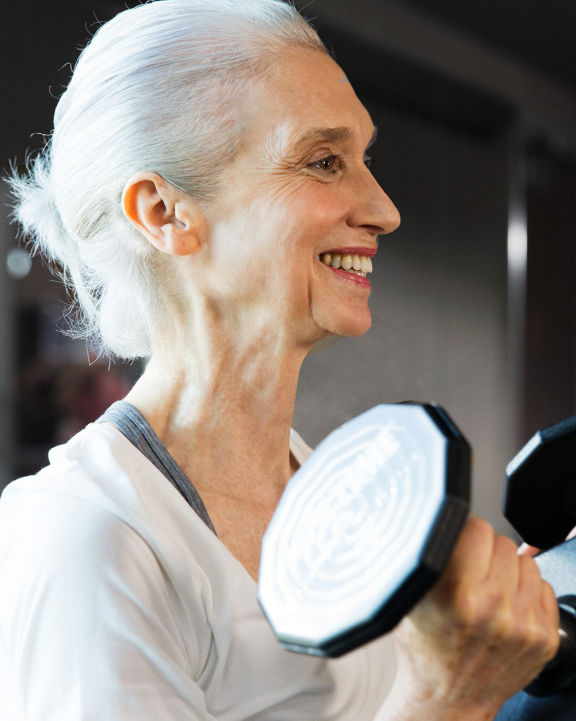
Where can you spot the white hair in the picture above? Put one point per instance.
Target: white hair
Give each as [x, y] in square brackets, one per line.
[154, 90]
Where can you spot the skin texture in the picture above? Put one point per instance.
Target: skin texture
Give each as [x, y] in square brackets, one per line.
[249, 298]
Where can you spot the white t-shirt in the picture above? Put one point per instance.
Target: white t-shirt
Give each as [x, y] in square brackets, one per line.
[117, 603]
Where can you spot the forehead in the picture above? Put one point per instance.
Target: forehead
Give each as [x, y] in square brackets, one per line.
[302, 92]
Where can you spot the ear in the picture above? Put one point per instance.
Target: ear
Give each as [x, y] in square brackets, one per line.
[173, 222]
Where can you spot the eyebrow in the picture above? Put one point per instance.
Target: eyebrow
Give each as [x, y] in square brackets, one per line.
[280, 146]
[330, 135]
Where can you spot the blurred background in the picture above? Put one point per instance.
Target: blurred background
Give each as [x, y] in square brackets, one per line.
[473, 297]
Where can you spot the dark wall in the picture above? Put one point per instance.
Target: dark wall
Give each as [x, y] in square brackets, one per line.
[550, 344]
[40, 42]
[48, 388]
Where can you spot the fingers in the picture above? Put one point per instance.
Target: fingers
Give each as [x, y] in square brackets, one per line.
[472, 555]
[487, 578]
[529, 581]
[504, 572]
[494, 555]
[532, 619]
[549, 605]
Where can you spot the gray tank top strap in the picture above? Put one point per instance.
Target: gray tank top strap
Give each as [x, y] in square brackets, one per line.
[131, 423]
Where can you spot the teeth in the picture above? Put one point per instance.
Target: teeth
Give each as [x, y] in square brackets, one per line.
[357, 264]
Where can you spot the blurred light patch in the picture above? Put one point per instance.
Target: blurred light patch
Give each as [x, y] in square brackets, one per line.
[18, 263]
[517, 246]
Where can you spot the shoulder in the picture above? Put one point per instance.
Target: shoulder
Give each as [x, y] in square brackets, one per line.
[99, 543]
[97, 505]
[101, 474]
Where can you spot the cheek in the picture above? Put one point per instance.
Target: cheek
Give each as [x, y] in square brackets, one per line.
[308, 216]
[273, 226]
[327, 206]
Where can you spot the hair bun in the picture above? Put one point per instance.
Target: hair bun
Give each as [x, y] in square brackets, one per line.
[34, 207]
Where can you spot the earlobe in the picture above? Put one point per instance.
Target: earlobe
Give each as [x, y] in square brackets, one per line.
[171, 221]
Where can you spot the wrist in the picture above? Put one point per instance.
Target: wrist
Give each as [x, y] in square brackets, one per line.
[413, 701]
[431, 710]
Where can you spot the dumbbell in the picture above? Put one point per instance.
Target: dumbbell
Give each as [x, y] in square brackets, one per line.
[364, 528]
[367, 524]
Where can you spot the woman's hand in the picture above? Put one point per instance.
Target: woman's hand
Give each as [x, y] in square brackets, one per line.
[481, 635]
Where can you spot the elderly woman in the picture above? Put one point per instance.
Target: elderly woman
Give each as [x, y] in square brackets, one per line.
[207, 195]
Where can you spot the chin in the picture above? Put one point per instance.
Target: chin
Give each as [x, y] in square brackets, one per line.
[349, 326]
[358, 329]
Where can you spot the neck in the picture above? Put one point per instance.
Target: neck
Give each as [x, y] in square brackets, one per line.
[222, 403]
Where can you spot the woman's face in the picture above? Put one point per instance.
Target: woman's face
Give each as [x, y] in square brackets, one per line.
[298, 189]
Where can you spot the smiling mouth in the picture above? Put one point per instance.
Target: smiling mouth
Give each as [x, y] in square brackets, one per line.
[352, 263]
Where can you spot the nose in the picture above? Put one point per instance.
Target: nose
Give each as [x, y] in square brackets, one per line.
[373, 210]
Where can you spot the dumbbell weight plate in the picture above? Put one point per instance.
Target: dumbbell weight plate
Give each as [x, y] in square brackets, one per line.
[364, 528]
[540, 495]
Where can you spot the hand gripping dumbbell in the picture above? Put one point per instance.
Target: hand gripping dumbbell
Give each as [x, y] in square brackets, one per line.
[368, 523]
[364, 528]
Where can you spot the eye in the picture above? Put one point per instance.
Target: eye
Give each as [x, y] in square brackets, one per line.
[331, 164]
